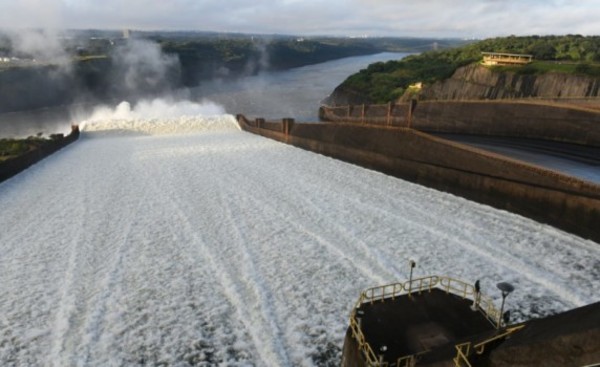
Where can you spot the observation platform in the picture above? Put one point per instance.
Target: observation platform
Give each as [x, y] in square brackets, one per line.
[419, 321]
[410, 325]
[502, 58]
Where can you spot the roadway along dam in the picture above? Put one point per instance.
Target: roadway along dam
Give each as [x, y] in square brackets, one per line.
[205, 244]
[574, 160]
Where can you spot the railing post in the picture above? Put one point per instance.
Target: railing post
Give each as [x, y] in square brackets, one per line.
[322, 114]
[412, 265]
[390, 107]
[411, 108]
[363, 113]
[260, 122]
[287, 125]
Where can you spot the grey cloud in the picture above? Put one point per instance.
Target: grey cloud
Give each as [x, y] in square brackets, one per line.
[374, 17]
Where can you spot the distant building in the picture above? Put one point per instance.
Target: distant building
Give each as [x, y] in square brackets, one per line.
[500, 58]
[126, 33]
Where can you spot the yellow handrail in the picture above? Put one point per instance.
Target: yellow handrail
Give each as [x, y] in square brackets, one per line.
[462, 353]
[362, 343]
[406, 361]
[457, 287]
[381, 293]
[479, 348]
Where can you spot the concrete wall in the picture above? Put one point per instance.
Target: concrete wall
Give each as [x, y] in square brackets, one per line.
[351, 353]
[546, 196]
[13, 166]
[536, 120]
[545, 120]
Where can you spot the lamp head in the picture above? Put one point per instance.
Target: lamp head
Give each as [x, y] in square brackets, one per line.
[505, 288]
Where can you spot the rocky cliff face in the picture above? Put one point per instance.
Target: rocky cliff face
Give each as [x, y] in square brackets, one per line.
[479, 82]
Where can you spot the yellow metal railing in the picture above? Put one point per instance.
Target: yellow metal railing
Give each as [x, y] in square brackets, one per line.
[480, 347]
[457, 287]
[462, 355]
[417, 286]
[407, 361]
[365, 347]
[463, 351]
[391, 291]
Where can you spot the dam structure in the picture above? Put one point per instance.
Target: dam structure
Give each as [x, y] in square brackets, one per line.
[188, 241]
[418, 141]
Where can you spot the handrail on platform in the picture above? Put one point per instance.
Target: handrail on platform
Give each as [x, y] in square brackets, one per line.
[464, 350]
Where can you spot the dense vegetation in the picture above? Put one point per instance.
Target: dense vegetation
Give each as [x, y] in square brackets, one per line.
[383, 82]
[202, 58]
[10, 148]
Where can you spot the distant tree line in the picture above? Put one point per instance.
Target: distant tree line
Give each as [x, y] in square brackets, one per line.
[208, 57]
[94, 74]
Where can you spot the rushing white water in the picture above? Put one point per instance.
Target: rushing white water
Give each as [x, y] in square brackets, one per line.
[208, 245]
[158, 117]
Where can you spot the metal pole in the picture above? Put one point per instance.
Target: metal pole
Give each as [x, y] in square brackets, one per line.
[501, 309]
[412, 265]
[506, 289]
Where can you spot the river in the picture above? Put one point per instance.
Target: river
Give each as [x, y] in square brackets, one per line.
[293, 93]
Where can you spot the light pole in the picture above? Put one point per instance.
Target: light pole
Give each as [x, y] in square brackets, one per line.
[412, 265]
[506, 289]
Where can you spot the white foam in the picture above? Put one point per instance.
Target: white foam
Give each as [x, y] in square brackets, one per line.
[158, 117]
[231, 249]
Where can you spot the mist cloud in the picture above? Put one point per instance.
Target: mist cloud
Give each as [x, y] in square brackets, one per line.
[45, 46]
[140, 67]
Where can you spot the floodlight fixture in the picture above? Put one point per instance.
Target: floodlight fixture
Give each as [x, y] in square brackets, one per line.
[506, 289]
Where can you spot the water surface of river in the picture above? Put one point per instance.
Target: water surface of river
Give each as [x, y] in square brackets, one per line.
[290, 93]
[293, 93]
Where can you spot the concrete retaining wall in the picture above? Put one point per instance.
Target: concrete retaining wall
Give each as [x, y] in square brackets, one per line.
[13, 166]
[546, 196]
[535, 119]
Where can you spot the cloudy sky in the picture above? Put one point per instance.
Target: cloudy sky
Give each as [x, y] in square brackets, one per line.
[426, 18]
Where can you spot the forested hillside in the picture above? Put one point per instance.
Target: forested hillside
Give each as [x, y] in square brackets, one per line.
[383, 82]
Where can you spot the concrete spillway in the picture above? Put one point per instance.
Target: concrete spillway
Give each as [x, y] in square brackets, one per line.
[210, 245]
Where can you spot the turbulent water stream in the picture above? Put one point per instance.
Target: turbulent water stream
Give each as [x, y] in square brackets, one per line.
[181, 240]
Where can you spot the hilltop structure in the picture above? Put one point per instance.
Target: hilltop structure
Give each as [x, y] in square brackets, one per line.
[500, 58]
